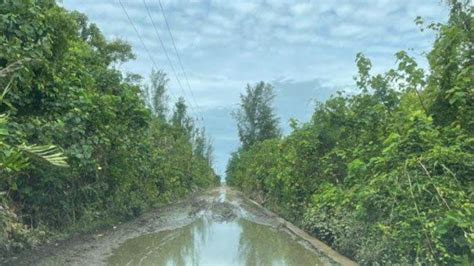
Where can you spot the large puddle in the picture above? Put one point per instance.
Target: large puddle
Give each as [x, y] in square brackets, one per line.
[209, 242]
[217, 227]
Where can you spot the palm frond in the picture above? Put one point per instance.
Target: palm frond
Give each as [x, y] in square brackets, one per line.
[49, 153]
[3, 125]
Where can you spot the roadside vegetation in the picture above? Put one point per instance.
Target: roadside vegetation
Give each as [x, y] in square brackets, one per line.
[82, 144]
[386, 175]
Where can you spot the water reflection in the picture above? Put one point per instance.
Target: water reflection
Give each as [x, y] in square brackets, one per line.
[260, 245]
[206, 242]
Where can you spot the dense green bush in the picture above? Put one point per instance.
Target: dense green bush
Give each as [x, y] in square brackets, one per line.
[59, 85]
[384, 176]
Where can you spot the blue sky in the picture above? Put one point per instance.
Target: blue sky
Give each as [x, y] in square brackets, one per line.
[306, 49]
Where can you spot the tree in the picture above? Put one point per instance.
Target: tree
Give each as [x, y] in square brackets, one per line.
[203, 146]
[180, 119]
[155, 94]
[256, 121]
[452, 66]
[209, 153]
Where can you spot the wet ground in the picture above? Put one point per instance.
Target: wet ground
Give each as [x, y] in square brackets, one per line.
[218, 227]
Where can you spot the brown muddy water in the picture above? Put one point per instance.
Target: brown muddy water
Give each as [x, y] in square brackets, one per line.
[206, 242]
[219, 227]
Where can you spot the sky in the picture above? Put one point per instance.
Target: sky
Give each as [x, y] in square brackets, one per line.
[305, 49]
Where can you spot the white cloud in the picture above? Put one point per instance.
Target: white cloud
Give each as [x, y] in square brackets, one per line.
[302, 9]
[346, 30]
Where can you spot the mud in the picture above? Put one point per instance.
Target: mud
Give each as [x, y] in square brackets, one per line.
[159, 237]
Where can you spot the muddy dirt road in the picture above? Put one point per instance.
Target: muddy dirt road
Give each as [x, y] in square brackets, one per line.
[217, 227]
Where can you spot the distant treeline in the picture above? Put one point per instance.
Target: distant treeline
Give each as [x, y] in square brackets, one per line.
[117, 150]
[385, 176]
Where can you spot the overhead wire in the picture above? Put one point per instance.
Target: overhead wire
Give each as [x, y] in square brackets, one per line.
[155, 27]
[150, 56]
[178, 56]
[140, 38]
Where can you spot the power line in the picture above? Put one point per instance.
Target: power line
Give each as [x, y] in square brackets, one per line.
[138, 34]
[144, 45]
[177, 55]
[165, 51]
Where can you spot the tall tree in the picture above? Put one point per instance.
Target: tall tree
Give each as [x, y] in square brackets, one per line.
[203, 146]
[155, 94]
[256, 120]
[209, 152]
[452, 67]
[180, 119]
